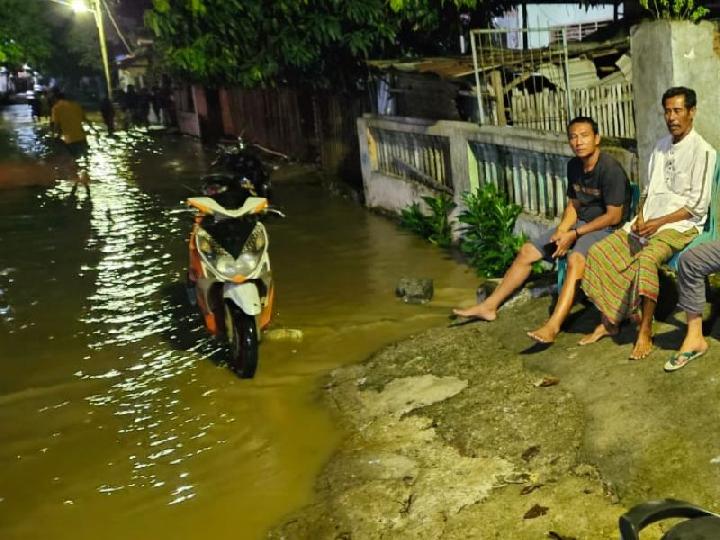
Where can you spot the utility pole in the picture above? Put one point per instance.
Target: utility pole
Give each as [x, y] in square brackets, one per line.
[97, 11]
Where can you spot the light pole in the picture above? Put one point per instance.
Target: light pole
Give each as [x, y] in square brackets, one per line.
[103, 45]
[79, 6]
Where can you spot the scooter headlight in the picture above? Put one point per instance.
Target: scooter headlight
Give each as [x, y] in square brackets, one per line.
[206, 245]
[227, 266]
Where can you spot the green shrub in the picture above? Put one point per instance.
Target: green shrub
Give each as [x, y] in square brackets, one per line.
[684, 10]
[434, 227]
[487, 231]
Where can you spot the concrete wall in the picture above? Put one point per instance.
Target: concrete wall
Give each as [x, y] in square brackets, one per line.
[673, 53]
[528, 165]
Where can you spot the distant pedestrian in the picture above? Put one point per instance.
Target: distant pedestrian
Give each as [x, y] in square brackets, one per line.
[167, 106]
[142, 110]
[108, 114]
[35, 107]
[130, 105]
[67, 118]
[44, 105]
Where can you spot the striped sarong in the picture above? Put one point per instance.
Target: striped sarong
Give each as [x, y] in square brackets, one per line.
[619, 271]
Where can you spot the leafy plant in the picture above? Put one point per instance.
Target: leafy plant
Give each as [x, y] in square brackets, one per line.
[434, 227]
[487, 231]
[684, 10]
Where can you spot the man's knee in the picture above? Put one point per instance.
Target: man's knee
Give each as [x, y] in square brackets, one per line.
[529, 253]
[576, 262]
[689, 263]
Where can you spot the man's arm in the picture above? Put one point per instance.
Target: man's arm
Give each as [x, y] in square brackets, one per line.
[565, 240]
[651, 226]
[569, 217]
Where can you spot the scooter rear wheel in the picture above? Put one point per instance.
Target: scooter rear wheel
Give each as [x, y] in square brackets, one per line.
[243, 337]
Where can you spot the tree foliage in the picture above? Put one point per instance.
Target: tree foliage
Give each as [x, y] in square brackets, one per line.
[23, 37]
[252, 42]
[49, 37]
[684, 10]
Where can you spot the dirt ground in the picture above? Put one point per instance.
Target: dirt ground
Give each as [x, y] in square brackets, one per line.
[452, 434]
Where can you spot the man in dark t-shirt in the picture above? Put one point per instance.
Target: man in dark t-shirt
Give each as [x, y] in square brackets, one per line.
[598, 196]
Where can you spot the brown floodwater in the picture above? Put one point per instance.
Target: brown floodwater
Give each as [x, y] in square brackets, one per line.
[117, 417]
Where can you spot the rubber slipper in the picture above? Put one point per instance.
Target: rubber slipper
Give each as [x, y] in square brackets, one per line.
[680, 360]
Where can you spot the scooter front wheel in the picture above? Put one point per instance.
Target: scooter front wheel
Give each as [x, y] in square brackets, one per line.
[243, 337]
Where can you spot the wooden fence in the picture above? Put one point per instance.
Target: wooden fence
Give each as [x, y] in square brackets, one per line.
[610, 105]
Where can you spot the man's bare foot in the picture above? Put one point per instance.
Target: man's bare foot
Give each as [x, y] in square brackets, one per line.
[545, 334]
[478, 311]
[643, 347]
[601, 331]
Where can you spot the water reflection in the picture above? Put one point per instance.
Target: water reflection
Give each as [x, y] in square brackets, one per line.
[116, 414]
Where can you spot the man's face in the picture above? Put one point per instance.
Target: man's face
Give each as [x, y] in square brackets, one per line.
[678, 118]
[583, 140]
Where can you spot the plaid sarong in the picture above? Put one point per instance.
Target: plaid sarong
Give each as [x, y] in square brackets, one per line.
[619, 270]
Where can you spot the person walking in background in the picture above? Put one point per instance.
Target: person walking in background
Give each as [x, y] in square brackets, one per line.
[621, 277]
[108, 114]
[142, 108]
[598, 200]
[130, 106]
[44, 105]
[67, 119]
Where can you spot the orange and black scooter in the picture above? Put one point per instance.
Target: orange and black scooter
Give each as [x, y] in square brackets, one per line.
[229, 275]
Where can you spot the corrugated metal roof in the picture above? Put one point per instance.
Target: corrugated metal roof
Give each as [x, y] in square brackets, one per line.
[457, 67]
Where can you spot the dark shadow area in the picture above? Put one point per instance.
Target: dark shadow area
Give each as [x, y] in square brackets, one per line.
[187, 332]
[536, 348]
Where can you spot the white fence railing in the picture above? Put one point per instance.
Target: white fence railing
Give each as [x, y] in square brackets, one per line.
[610, 105]
[415, 156]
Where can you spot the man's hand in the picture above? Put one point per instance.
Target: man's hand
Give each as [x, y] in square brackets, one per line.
[556, 235]
[649, 227]
[637, 225]
[563, 242]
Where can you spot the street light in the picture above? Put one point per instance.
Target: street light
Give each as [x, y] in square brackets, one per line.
[79, 6]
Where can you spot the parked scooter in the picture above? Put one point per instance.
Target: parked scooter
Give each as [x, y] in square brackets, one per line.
[229, 276]
[243, 161]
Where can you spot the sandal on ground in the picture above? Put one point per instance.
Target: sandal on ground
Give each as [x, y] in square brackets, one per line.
[680, 360]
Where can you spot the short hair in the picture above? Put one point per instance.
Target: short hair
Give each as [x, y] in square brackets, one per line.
[584, 120]
[687, 93]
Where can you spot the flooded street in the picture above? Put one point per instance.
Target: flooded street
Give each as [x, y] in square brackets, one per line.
[117, 417]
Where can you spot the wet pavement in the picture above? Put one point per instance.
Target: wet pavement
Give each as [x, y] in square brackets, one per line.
[117, 415]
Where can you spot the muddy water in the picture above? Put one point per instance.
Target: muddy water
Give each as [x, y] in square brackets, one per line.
[117, 417]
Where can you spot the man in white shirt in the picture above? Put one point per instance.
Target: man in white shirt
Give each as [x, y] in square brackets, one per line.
[621, 277]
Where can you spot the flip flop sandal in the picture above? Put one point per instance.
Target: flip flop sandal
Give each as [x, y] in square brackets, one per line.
[680, 360]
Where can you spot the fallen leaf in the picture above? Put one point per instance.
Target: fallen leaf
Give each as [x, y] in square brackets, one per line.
[557, 536]
[531, 452]
[529, 489]
[546, 381]
[536, 511]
